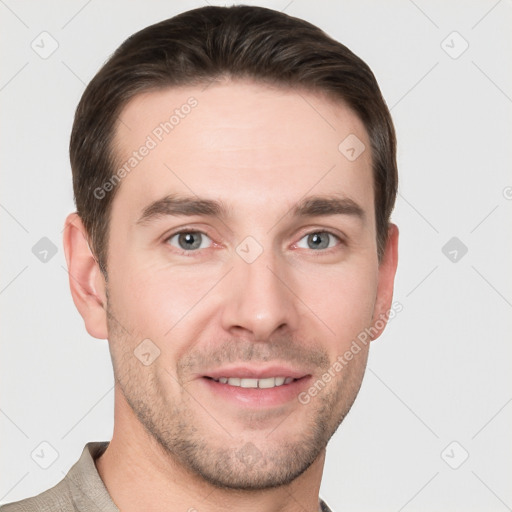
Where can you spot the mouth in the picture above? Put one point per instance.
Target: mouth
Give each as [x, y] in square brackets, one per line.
[247, 382]
[256, 387]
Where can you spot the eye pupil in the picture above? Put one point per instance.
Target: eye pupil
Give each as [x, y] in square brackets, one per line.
[189, 241]
[318, 240]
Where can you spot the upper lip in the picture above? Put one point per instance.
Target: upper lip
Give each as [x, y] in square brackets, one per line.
[253, 372]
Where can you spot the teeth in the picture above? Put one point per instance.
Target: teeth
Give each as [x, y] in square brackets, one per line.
[248, 383]
[269, 382]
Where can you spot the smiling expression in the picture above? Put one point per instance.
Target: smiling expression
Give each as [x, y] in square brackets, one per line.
[242, 248]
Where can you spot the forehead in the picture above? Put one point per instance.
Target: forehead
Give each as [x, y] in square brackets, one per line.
[240, 142]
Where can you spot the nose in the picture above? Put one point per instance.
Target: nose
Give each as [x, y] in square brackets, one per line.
[259, 299]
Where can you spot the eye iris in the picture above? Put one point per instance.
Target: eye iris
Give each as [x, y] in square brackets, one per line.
[318, 240]
[189, 241]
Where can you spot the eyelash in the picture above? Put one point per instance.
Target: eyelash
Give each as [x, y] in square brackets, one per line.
[198, 251]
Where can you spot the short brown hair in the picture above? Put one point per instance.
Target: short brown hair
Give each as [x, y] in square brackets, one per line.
[203, 44]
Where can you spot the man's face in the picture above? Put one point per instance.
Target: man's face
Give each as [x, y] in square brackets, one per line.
[268, 269]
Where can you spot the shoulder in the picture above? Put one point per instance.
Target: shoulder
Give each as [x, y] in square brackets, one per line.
[80, 490]
[58, 497]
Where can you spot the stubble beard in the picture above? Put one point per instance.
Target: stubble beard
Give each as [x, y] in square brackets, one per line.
[224, 460]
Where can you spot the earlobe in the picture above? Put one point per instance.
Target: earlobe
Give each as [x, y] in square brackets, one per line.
[86, 280]
[387, 271]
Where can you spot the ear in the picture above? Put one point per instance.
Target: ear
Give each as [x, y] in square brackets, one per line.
[387, 271]
[86, 280]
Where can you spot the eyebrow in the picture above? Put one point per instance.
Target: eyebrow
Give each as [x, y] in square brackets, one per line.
[179, 205]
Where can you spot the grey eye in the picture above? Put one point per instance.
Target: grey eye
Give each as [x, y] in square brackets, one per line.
[318, 240]
[190, 240]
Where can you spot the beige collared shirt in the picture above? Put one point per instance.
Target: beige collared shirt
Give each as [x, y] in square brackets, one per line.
[81, 490]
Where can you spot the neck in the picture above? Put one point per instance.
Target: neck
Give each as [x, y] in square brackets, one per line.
[140, 475]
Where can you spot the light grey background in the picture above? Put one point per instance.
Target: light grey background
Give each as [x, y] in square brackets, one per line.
[442, 370]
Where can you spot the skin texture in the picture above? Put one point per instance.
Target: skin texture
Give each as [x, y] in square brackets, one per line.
[258, 150]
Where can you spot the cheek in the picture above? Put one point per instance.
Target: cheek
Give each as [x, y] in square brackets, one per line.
[343, 299]
[155, 297]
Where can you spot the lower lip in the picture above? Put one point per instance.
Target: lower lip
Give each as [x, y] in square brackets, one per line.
[258, 397]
